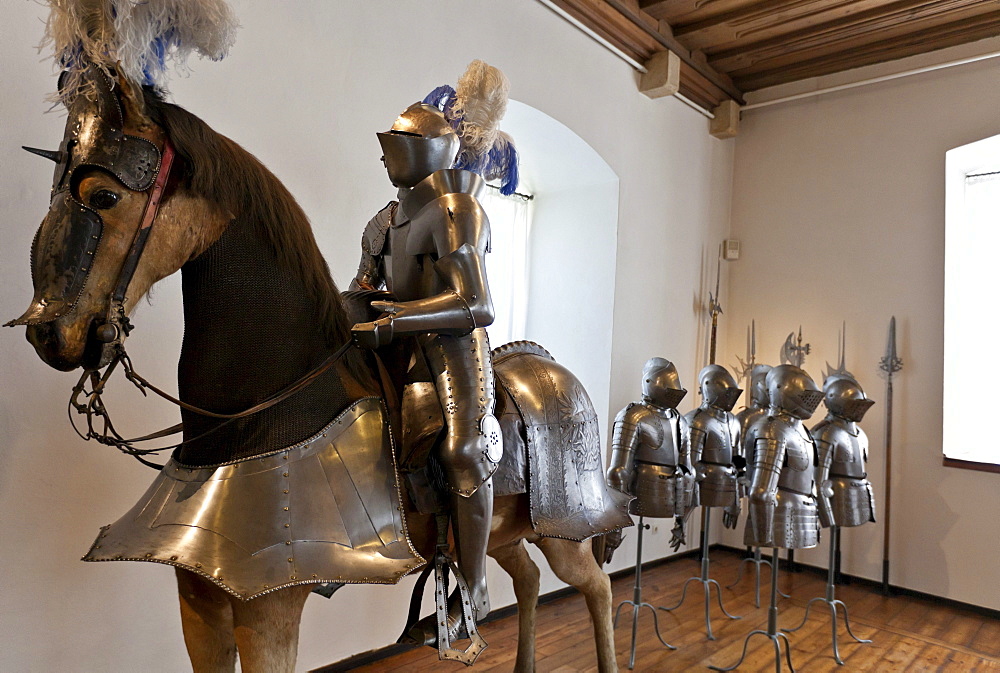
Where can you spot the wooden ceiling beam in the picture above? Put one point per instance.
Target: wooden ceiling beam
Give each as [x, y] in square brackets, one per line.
[668, 41]
[688, 11]
[767, 19]
[874, 27]
[878, 51]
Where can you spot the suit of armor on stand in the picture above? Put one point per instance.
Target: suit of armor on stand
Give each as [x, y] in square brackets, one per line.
[715, 443]
[651, 459]
[650, 456]
[428, 251]
[845, 494]
[783, 510]
[754, 415]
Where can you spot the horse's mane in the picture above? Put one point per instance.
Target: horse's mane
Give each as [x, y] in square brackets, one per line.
[219, 170]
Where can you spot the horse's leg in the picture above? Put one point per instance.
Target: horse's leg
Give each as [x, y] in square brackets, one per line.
[207, 622]
[514, 559]
[267, 630]
[573, 563]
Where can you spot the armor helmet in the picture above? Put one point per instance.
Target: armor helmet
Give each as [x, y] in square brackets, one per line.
[792, 390]
[844, 398]
[661, 384]
[718, 387]
[758, 386]
[420, 142]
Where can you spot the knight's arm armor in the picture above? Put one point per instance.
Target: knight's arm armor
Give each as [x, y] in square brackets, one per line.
[371, 274]
[769, 456]
[624, 440]
[697, 437]
[824, 489]
[456, 237]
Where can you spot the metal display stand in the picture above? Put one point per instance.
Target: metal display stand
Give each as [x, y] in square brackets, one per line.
[772, 633]
[637, 602]
[756, 561]
[704, 579]
[831, 600]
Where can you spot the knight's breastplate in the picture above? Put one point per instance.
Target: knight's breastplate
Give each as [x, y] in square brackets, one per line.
[797, 472]
[658, 440]
[848, 454]
[720, 440]
[408, 277]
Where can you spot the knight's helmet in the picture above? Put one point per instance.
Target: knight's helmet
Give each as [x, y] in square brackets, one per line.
[758, 387]
[793, 390]
[718, 387]
[661, 384]
[845, 399]
[454, 128]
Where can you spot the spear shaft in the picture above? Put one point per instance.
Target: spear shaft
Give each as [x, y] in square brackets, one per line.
[890, 364]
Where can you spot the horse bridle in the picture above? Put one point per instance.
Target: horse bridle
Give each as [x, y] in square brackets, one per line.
[117, 327]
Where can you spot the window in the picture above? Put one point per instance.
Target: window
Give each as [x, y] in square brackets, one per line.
[507, 263]
[972, 242]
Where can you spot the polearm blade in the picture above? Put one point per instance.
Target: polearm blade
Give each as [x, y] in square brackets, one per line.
[715, 308]
[890, 364]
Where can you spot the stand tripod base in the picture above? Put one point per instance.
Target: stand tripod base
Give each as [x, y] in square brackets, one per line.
[635, 625]
[831, 601]
[756, 561]
[705, 581]
[775, 639]
[637, 602]
[833, 618]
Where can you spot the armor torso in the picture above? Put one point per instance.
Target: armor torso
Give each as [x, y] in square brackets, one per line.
[437, 218]
[715, 436]
[648, 443]
[846, 497]
[783, 510]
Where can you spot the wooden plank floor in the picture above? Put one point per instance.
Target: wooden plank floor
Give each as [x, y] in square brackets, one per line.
[908, 634]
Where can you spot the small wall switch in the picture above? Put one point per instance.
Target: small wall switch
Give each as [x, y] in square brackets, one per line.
[730, 249]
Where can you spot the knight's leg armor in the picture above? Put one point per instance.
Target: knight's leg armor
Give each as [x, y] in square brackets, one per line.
[471, 450]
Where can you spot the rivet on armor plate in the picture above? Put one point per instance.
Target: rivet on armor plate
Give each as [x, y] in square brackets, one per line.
[288, 542]
[287, 525]
[97, 546]
[285, 457]
[284, 474]
[290, 559]
[285, 508]
[197, 565]
[285, 491]
[293, 577]
[149, 555]
[173, 558]
[314, 575]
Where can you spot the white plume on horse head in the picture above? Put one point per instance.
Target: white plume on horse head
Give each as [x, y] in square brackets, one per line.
[135, 38]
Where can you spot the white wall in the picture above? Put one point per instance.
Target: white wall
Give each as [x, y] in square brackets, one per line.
[839, 203]
[305, 88]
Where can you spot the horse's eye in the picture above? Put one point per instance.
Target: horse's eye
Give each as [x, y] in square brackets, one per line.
[103, 199]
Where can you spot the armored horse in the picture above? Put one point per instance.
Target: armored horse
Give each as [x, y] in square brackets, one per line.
[288, 474]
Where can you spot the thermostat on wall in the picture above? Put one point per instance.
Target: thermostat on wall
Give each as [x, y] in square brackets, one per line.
[731, 249]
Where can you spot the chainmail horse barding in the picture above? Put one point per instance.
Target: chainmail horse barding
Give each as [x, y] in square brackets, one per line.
[261, 310]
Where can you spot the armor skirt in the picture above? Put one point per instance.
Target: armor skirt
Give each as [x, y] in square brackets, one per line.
[852, 501]
[795, 523]
[718, 488]
[659, 491]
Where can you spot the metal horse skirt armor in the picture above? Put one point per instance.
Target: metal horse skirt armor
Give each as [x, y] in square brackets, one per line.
[325, 510]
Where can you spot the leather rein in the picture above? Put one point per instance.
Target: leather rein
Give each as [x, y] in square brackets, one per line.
[89, 402]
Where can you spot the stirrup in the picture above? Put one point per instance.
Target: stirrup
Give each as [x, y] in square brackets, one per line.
[442, 564]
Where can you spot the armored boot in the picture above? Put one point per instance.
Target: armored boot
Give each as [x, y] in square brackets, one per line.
[471, 520]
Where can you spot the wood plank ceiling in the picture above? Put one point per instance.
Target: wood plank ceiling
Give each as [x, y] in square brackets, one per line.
[729, 47]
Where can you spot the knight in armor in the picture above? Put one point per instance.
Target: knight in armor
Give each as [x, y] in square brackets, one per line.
[427, 249]
[715, 443]
[783, 511]
[650, 455]
[845, 494]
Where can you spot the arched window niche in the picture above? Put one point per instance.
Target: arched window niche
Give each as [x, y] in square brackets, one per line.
[571, 250]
